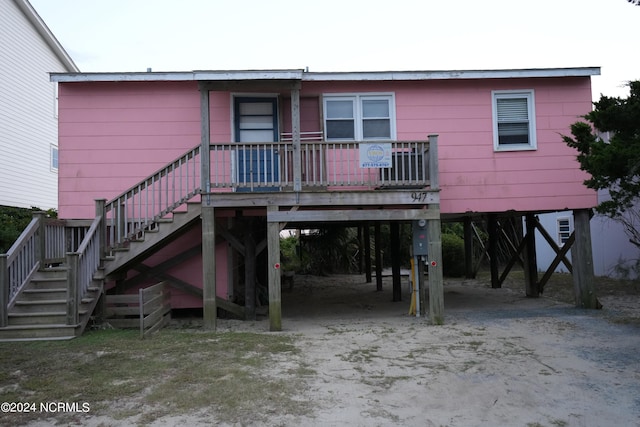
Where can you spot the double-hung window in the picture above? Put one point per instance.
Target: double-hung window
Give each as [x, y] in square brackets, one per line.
[514, 125]
[54, 158]
[359, 117]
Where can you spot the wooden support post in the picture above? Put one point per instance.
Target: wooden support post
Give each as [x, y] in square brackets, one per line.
[249, 270]
[378, 249]
[73, 315]
[209, 306]
[582, 259]
[4, 291]
[273, 254]
[232, 279]
[434, 175]
[493, 249]
[469, 273]
[360, 248]
[121, 223]
[102, 229]
[295, 139]
[436, 288]
[367, 253]
[394, 228]
[532, 288]
[41, 239]
[205, 144]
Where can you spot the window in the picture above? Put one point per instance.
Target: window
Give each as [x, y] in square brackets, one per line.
[54, 158]
[359, 117]
[564, 230]
[514, 126]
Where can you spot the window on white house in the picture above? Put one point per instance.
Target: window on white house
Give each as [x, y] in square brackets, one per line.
[514, 126]
[54, 158]
[359, 117]
[564, 230]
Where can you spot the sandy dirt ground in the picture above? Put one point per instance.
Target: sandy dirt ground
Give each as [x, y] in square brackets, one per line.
[500, 359]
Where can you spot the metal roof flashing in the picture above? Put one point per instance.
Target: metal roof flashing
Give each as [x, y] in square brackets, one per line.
[302, 75]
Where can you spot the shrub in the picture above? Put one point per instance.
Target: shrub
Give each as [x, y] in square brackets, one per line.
[452, 255]
[13, 221]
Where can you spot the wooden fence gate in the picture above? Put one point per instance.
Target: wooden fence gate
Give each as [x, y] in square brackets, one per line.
[149, 310]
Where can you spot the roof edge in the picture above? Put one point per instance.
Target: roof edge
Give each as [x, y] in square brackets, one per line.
[48, 36]
[454, 74]
[238, 75]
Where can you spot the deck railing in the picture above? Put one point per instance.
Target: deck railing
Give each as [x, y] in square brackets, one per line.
[140, 207]
[82, 266]
[18, 265]
[61, 237]
[43, 243]
[270, 166]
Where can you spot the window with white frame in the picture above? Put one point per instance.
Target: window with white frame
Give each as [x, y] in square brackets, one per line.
[564, 230]
[54, 158]
[359, 117]
[514, 126]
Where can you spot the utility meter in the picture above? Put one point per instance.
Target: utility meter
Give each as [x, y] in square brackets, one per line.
[419, 237]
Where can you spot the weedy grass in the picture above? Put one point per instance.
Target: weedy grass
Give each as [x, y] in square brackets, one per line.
[175, 372]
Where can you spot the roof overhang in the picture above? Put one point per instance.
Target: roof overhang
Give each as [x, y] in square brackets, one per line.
[301, 75]
[44, 31]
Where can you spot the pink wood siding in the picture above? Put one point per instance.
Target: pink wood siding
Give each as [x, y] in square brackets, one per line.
[189, 271]
[472, 176]
[112, 135]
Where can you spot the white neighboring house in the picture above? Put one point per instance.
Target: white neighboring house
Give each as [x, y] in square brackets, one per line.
[28, 107]
[610, 243]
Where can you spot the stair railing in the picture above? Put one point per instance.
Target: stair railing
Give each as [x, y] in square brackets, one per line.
[18, 265]
[138, 209]
[82, 267]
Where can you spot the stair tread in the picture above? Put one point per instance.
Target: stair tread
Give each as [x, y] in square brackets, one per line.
[38, 314]
[43, 326]
[42, 302]
[43, 291]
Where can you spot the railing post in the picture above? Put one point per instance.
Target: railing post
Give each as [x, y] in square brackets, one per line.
[102, 229]
[433, 162]
[4, 291]
[295, 139]
[205, 149]
[73, 302]
[121, 223]
[41, 238]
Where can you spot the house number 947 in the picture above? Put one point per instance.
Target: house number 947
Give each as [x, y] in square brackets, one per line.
[419, 196]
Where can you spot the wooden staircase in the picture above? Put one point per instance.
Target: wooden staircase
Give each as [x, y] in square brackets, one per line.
[153, 238]
[40, 309]
[38, 302]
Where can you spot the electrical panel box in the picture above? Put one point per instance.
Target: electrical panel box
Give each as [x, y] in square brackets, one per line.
[419, 237]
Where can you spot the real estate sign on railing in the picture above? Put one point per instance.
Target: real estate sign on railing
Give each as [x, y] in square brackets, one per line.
[375, 155]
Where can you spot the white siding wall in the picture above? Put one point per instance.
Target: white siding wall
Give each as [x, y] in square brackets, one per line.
[28, 126]
[609, 242]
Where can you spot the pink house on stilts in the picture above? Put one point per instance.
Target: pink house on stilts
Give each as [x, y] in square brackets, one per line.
[161, 174]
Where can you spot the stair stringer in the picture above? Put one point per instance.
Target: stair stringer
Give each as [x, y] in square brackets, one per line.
[164, 231]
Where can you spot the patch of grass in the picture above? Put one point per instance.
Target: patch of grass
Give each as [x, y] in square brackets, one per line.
[364, 355]
[174, 372]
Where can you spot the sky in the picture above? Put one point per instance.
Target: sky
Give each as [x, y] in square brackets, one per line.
[350, 35]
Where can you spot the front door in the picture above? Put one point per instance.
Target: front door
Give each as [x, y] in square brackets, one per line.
[256, 128]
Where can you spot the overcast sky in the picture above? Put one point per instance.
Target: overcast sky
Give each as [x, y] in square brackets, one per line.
[350, 35]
